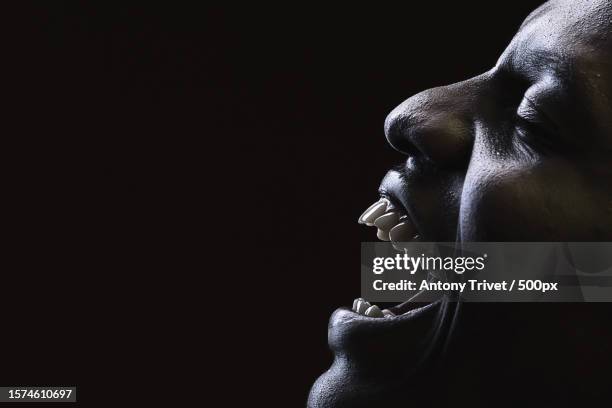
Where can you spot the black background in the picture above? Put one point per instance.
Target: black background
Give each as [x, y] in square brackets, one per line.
[161, 150]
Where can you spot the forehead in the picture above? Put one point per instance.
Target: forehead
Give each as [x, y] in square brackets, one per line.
[562, 35]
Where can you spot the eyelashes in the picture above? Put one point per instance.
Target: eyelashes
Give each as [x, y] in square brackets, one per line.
[533, 127]
[534, 135]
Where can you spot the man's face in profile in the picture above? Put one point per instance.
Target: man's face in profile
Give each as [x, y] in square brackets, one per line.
[522, 152]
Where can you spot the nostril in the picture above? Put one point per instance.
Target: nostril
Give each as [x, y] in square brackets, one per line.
[439, 136]
[397, 127]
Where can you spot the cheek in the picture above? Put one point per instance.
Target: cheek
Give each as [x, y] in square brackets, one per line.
[545, 201]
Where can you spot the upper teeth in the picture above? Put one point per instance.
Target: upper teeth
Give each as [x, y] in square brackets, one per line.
[373, 212]
[392, 225]
[387, 220]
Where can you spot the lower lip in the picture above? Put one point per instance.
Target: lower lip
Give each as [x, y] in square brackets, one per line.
[350, 331]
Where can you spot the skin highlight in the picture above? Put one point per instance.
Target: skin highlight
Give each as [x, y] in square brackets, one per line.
[522, 152]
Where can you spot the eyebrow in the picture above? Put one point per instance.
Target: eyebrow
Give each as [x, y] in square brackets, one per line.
[530, 63]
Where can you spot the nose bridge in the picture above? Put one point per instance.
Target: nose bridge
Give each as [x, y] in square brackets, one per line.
[436, 123]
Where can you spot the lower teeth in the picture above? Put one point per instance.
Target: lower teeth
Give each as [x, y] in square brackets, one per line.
[364, 307]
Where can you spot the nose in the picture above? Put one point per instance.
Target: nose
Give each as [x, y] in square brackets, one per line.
[436, 124]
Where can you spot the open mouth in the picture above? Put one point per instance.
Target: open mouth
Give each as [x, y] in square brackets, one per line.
[395, 225]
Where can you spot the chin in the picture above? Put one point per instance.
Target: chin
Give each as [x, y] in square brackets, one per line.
[383, 361]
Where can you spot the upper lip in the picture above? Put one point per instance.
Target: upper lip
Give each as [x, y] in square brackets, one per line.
[393, 188]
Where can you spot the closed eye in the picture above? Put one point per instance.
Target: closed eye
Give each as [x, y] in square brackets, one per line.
[534, 126]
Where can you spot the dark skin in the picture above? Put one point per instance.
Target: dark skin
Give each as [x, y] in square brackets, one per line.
[522, 152]
[530, 140]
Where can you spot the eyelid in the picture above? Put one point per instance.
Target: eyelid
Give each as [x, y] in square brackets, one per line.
[529, 111]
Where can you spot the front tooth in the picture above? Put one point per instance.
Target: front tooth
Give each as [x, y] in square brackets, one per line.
[362, 306]
[403, 232]
[374, 311]
[360, 221]
[387, 221]
[383, 235]
[373, 212]
[388, 313]
[355, 303]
